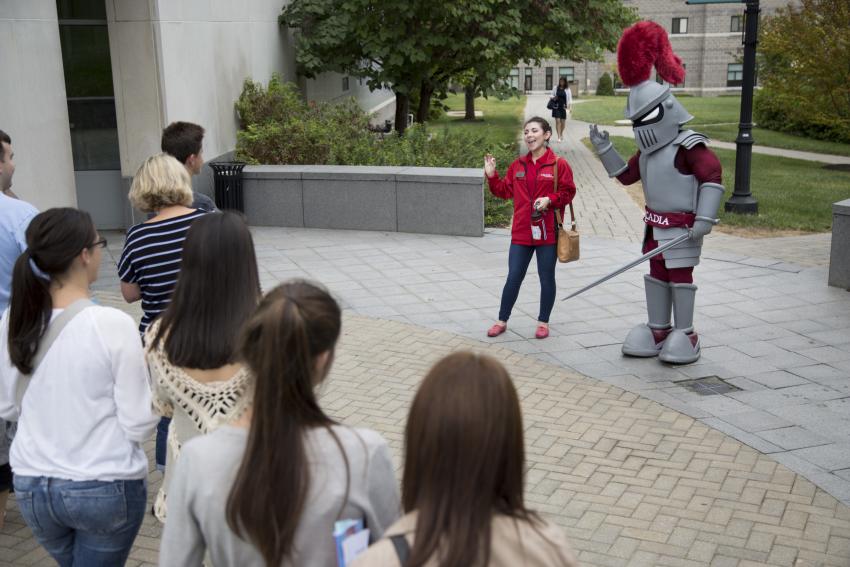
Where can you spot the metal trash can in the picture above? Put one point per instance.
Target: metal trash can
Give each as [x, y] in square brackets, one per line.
[227, 178]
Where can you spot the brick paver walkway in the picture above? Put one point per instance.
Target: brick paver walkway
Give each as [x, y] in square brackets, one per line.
[631, 482]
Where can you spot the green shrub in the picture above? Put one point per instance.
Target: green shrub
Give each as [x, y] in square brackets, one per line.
[774, 111]
[278, 127]
[804, 87]
[605, 86]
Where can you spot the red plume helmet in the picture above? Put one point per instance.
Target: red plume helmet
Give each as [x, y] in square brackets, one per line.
[642, 46]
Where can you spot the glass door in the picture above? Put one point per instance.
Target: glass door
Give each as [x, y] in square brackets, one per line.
[91, 110]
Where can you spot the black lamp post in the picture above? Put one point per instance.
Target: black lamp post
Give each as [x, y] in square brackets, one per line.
[742, 200]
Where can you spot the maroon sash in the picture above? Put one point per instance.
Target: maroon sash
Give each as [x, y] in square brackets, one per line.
[668, 220]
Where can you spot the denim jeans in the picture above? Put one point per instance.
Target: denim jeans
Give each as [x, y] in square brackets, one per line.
[162, 442]
[83, 523]
[519, 257]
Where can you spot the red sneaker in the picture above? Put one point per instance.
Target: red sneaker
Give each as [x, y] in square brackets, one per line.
[496, 330]
[542, 332]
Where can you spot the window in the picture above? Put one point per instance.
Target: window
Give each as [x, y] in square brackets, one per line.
[345, 84]
[550, 71]
[527, 85]
[680, 25]
[513, 79]
[569, 73]
[737, 24]
[735, 75]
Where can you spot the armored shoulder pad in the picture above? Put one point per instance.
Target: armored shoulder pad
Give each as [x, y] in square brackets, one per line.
[689, 139]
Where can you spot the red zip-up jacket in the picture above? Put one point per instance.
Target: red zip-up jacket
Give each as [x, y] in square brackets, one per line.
[525, 182]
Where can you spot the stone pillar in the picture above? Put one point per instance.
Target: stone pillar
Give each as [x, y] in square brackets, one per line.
[839, 254]
[33, 107]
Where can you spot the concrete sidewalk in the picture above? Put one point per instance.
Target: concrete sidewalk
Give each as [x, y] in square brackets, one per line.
[769, 326]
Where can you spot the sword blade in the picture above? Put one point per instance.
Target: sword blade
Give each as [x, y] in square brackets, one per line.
[630, 265]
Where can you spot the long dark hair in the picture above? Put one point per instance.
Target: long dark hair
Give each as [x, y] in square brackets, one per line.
[464, 459]
[217, 291]
[54, 239]
[294, 323]
[565, 81]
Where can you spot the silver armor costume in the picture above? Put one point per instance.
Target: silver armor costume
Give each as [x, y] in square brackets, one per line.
[657, 119]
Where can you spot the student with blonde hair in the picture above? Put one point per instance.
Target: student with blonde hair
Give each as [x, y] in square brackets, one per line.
[150, 261]
[464, 474]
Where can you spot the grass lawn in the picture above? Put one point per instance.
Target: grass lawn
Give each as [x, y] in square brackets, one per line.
[774, 139]
[501, 125]
[792, 194]
[716, 117]
[502, 120]
[707, 110]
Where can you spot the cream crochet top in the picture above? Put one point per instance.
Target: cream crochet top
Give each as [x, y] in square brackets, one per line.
[196, 408]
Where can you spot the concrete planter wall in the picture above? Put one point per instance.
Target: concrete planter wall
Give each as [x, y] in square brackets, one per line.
[432, 200]
[839, 254]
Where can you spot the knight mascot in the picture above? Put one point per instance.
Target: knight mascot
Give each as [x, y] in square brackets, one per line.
[681, 184]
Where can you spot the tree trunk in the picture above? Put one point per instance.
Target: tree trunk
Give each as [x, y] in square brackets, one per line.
[469, 103]
[424, 109]
[402, 103]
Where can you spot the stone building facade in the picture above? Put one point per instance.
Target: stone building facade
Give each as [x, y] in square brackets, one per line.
[708, 38]
[92, 83]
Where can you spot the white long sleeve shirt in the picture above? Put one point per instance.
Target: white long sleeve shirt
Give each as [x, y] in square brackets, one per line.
[88, 406]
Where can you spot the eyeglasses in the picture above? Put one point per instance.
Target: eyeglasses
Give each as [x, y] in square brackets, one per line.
[101, 243]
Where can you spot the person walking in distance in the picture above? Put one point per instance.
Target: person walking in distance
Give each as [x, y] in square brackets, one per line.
[530, 182]
[563, 104]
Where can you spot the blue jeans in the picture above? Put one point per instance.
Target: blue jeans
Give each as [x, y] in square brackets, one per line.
[162, 442]
[83, 523]
[519, 257]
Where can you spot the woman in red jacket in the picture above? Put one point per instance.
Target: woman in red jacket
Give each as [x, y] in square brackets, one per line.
[529, 181]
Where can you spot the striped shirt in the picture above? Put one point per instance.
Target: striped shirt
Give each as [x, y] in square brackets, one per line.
[151, 259]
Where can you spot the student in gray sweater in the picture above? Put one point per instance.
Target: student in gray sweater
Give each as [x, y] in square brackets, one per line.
[268, 489]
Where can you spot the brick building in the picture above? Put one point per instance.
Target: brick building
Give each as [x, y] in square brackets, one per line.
[708, 38]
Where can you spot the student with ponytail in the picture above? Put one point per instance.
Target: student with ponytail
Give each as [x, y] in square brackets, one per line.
[289, 470]
[74, 377]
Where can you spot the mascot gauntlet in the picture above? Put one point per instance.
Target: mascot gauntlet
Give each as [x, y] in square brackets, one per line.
[613, 162]
[708, 202]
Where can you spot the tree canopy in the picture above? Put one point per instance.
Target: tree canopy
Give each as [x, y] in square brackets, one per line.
[804, 70]
[420, 45]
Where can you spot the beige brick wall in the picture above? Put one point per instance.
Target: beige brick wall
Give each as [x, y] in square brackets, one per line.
[707, 48]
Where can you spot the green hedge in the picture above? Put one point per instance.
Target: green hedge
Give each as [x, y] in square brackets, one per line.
[605, 86]
[279, 127]
[776, 111]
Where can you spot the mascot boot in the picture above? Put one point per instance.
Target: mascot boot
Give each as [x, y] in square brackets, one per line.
[647, 339]
[682, 345]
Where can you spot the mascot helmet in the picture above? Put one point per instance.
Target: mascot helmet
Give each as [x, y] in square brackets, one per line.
[655, 113]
